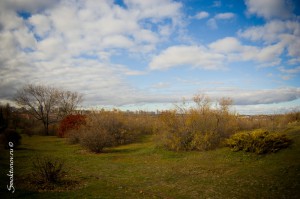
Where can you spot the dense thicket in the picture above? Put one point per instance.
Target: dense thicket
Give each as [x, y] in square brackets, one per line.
[199, 127]
[111, 128]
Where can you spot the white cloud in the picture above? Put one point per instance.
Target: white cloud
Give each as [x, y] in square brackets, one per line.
[195, 56]
[271, 31]
[71, 42]
[294, 61]
[217, 4]
[289, 73]
[267, 96]
[216, 55]
[212, 22]
[41, 23]
[201, 15]
[255, 97]
[227, 15]
[234, 50]
[117, 41]
[161, 85]
[270, 8]
[281, 34]
[226, 45]
[286, 77]
[156, 9]
[29, 5]
[292, 42]
[270, 55]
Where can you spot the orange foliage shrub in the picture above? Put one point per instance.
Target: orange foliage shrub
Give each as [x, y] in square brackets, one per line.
[70, 122]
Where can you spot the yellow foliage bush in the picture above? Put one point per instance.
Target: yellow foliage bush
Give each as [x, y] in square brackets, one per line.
[258, 141]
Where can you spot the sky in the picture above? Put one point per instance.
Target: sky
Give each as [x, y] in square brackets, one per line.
[150, 54]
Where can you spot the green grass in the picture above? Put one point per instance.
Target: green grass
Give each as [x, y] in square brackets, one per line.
[141, 170]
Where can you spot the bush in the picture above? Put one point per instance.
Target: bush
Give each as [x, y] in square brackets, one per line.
[207, 141]
[74, 136]
[97, 134]
[110, 128]
[258, 141]
[48, 169]
[11, 135]
[96, 140]
[69, 123]
[196, 128]
[172, 133]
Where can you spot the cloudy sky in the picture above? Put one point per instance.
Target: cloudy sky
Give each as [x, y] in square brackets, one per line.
[148, 54]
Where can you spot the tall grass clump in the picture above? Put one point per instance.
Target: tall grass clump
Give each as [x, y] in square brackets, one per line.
[196, 128]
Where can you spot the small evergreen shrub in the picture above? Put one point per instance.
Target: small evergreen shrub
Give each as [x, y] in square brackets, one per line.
[258, 141]
[48, 169]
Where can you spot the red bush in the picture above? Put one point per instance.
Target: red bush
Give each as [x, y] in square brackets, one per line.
[70, 122]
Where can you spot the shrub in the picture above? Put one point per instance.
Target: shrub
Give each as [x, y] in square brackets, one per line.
[205, 141]
[196, 128]
[11, 135]
[109, 128]
[74, 136]
[48, 169]
[96, 134]
[69, 123]
[96, 140]
[258, 141]
[172, 133]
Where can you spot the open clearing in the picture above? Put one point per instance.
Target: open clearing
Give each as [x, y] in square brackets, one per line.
[141, 170]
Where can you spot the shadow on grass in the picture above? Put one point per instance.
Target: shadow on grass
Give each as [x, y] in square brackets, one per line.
[121, 150]
[19, 193]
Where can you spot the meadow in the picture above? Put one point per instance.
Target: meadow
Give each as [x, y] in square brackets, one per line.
[144, 170]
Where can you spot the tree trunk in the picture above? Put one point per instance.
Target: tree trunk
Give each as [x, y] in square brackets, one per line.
[46, 128]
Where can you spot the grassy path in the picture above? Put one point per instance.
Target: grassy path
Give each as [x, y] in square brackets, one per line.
[141, 170]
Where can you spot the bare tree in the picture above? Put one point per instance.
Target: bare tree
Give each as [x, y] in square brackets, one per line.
[68, 102]
[203, 102]
[47, 104]
[225, 104]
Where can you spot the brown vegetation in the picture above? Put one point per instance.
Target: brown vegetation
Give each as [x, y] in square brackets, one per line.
[203, 126]
[197, 128]
[111, 128]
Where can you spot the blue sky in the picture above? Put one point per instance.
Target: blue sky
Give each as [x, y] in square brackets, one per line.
[136, 54]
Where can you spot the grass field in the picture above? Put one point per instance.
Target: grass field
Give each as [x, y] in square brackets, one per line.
[141, 170]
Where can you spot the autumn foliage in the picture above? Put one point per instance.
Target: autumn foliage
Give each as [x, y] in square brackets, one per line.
[70, 122]
[199, 127]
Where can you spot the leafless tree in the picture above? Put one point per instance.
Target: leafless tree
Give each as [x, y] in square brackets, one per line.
[225, 104]
[47, 104]
[203, 102]
[68, 102]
